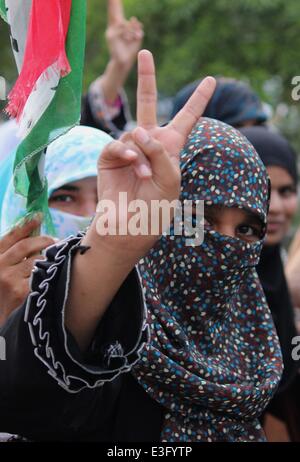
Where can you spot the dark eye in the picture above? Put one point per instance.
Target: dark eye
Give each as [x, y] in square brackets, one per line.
[246, 230]
[287, 191]
[250, 232]
[62, 198]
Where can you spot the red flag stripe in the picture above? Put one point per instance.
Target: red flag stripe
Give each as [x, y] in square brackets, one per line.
[45, 47]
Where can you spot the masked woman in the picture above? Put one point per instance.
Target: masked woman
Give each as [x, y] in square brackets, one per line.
[198, 359]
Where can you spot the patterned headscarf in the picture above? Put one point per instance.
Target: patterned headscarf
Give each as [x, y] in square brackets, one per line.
[72, 157]
[213, 360]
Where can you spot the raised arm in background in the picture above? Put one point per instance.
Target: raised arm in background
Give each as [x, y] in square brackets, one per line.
[124, 40]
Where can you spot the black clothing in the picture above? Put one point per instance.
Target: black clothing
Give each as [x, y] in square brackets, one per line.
[96, 400]
[273, 149]
[113, 128]
[271, 273]
[233, 102]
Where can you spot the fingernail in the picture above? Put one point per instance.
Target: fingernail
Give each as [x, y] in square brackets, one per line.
[145, 170]
[39, 216]
[130, 154]
[142, 136]
[211, 80]
[36, 216]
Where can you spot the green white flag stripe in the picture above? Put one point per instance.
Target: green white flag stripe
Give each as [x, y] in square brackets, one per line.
[3, 10]
[51, 110]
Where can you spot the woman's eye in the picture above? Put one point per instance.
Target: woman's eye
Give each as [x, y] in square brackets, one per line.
[246, 230]
[62, 198]
[249, 231]
[287, 191]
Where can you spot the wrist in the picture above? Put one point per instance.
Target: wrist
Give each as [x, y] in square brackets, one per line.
[125, 251]
[119, 66]
[113, 80]
[3, 317]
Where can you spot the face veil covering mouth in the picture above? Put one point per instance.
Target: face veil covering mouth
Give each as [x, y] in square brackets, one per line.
[213, 360]
[67, 224]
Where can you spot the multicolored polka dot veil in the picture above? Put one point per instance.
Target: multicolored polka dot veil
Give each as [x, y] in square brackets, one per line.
[213, 360]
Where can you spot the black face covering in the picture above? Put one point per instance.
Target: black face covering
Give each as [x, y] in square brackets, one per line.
[274, 150]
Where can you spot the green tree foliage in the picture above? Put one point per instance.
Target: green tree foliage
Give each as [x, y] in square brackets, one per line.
[256, 40]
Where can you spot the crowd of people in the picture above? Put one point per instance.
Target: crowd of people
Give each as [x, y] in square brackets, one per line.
[143, 338]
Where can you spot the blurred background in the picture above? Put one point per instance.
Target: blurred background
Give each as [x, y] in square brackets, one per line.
[254, 40]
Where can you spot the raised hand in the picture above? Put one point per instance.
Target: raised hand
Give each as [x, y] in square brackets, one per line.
[18, 252]
[124, 37]
[145, 163]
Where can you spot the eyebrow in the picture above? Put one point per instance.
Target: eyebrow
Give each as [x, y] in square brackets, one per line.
[67, 187]
[291, 185]
[250, 218]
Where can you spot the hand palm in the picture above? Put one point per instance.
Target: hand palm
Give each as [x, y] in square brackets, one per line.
[124, 38]
[119, 175]
[120, 48]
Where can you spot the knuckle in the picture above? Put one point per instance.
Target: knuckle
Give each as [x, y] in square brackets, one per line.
[44, 243]
[193, 112]
[115, 146]
[157, 146]
[10, 235]
[28, 265]
[23, 247]
[126, 137]
[20, 294]
[104, 154]
[5, 280]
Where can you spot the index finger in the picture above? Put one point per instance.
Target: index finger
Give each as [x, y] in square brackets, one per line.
[115, 12]
[19, 233]
[189, 115]
[146, 91]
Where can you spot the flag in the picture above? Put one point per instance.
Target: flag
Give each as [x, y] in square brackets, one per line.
[48, 42]
[3, 10]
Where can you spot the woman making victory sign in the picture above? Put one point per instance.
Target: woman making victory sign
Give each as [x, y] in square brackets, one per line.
[142, 338]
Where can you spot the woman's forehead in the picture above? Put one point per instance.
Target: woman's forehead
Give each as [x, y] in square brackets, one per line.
[83, 183]
[238, 212]
[279, 176]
